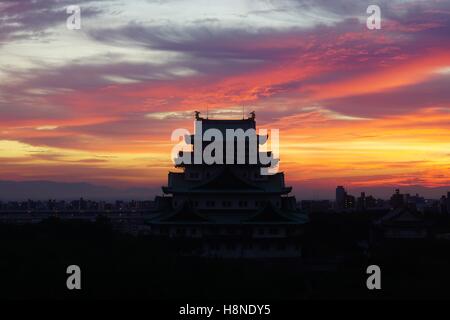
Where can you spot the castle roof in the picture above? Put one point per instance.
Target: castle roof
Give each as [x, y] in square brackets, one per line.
[227, 180]
[224, 124]
[267, 215]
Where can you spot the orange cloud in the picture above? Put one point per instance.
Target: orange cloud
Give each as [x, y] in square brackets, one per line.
[388, 77]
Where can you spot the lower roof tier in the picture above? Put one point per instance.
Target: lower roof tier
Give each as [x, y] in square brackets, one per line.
[226, 180]
[231, 191]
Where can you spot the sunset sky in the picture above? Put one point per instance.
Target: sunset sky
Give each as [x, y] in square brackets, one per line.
[358, 107]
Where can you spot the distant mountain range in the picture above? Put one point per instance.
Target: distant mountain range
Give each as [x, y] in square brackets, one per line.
[44, 190]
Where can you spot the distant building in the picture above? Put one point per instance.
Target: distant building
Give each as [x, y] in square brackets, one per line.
[416, 202]
[371, 202]
[350, 202]
[341, 196]
[344, 201]
[448, 202]
[361, 202]
[397, 199]
[443, 205]
[401, 223]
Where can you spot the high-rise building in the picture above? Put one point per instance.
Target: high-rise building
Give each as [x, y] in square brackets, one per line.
[350, 202]
[448, 202]
[341, 196]
[443, 205]
[361, 201]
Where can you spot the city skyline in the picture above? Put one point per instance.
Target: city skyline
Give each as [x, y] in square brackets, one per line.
[367, 109]
[59, 191]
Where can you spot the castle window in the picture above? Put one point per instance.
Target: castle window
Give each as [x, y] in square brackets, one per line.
[242, 203]
[226, 204]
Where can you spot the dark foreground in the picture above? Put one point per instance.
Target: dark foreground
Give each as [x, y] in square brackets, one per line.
[34, 258]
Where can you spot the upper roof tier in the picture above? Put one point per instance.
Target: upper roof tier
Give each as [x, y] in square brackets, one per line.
[202, 125]
[223, 124]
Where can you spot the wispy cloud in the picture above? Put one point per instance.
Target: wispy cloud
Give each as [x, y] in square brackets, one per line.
[138, 69]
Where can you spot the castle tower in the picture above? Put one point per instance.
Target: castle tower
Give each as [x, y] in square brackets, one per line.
[231, 205]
